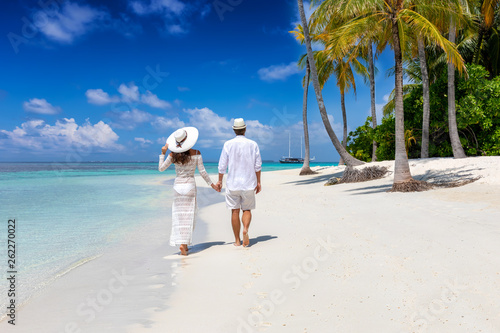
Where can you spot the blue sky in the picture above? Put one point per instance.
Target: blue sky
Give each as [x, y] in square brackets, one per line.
[110, 80]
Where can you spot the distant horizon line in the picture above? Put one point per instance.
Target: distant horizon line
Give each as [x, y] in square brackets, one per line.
[64, 162]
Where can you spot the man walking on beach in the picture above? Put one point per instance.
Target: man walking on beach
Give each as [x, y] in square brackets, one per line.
[241, 158]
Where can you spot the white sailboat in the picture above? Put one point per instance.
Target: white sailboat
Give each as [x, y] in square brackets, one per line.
[291, 159]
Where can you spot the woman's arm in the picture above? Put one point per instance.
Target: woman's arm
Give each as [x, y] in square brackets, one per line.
[203, 172]
[164, 164]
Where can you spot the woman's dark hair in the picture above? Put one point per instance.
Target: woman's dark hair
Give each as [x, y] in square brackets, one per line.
[181, 158]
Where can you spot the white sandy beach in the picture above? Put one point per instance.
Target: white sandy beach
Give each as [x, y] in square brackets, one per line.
[342, 258]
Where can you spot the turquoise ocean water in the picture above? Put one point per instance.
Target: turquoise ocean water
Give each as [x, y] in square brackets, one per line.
[69, 213]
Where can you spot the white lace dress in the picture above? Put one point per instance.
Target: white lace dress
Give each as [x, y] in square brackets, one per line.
[184, 206]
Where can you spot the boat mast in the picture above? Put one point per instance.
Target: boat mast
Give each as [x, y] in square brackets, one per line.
[289, 140]
[301, 146]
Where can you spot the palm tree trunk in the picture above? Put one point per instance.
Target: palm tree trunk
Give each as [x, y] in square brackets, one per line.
[371, 69]
[344, 119]
[306, 169]
[348, 159]
[458, 151]
[401, 166]
[424, 153]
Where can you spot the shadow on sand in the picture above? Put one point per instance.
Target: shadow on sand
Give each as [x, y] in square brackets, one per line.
[259, 239]
[203, 246]
[313, 179]
[369, 189]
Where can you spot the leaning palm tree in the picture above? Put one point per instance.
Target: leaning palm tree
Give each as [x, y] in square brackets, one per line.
[323, 21]
[345, 80]
[348, 159]
[396, 17]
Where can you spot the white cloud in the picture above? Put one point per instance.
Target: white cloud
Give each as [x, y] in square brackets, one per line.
[71, 21]
[210, 123]
[162, 140]
[172, 12]
[129, 119]
[130, 92]
[163, 123]
[183, 88]
[177, 15]
[100, 97]
[65, 135]
[158, 6]
[206, 143]
[152, 100]
[40, 106]
[176, 29]
[143, 142]
[215, 130]
[278, 72]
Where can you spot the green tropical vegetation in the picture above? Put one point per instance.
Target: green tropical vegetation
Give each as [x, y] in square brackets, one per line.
[478, 119]
[449, 51]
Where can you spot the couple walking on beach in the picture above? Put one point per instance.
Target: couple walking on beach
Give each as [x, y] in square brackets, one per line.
[240, 159]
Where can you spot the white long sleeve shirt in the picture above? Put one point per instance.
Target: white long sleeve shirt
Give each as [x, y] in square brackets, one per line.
[241, 159]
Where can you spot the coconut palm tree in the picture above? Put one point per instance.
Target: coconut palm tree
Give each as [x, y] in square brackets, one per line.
[371, 70]
[456, 145]
[306, 169]
[397, 18]
[485, 16]
[323, 20]
[348, 159]
[424, 152]
[345, 81]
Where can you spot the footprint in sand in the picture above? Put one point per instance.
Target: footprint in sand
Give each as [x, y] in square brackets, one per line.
[248, 285]
[262, 294]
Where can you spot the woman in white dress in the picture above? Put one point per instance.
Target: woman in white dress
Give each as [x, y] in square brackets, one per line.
[184, 205]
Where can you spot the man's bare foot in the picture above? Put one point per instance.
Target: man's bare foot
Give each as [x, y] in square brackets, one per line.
[184, 249]
[246, 240]
[237, 242]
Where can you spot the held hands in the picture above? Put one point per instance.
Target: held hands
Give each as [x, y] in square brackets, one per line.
[217, 187]
[164, 149]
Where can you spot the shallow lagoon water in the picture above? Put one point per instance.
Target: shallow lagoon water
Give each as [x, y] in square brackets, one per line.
[67, 214]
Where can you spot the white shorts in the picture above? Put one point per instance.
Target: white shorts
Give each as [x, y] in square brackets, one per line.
[244, 200]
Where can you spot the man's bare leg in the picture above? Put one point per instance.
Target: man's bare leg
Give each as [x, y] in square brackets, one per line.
[246, 219]
[235, 221]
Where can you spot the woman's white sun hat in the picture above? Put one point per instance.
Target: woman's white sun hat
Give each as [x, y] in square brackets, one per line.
[239, 123]
[183, 139]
